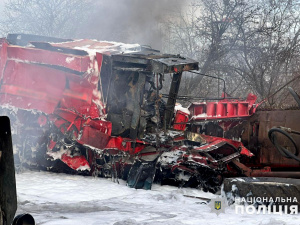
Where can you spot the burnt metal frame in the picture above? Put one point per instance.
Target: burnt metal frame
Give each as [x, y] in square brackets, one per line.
[155, 63]
[173, 93]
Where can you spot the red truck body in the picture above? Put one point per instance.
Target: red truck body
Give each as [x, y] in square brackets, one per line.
[96, 107]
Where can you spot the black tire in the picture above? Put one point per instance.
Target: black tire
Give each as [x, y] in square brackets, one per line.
[295, 95]
[24, 219]
[283, 151]
[263, 187]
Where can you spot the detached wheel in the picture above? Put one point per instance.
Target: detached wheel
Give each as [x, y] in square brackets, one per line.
[263, 187]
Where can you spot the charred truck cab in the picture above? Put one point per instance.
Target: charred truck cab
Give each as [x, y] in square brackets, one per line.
[134, 105]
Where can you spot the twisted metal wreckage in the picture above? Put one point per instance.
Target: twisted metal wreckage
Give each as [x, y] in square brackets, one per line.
[95, 108]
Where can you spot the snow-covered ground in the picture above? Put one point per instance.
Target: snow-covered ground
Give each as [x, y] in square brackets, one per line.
[60, 199]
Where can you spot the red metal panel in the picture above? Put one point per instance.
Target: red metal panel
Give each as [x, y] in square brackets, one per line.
[211, 109]
[94, 111]
[231, 109]
[221, 110]
[199, 109]
[31, 86]
[3, 56]
[79, 101]
[94, 138]
[78, 94]
[226, 108]
[60, 117]
[243, 109]
[216, 142]
[119, 143]
[76, 162]
[74, 62]
[180, 120]
[124, 144]
[101, 125]
[99, 58]
[66, 114]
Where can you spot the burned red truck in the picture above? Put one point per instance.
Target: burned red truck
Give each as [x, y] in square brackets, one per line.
[96, 108]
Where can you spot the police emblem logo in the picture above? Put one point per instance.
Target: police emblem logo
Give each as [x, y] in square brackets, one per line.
[218, 205]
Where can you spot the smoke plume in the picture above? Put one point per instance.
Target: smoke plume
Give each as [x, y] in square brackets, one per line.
[129, 21]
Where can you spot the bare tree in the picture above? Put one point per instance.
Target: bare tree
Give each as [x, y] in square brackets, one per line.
[208, 31]
[269, 46]
[253, 45]
[60, 18]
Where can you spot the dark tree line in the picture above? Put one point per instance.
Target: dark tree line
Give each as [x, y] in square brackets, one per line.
[253, 45]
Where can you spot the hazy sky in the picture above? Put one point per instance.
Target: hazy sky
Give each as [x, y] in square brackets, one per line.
[2, 4]
[129, 21]
[1, 12]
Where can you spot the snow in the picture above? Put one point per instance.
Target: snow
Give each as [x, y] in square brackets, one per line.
[202, 115]
[179, 107]
[69, 59]
[170, 157]
[57, 154]
[163, 136]
[116, 47]
[70, 199]
[239, 179]
[82, 168]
